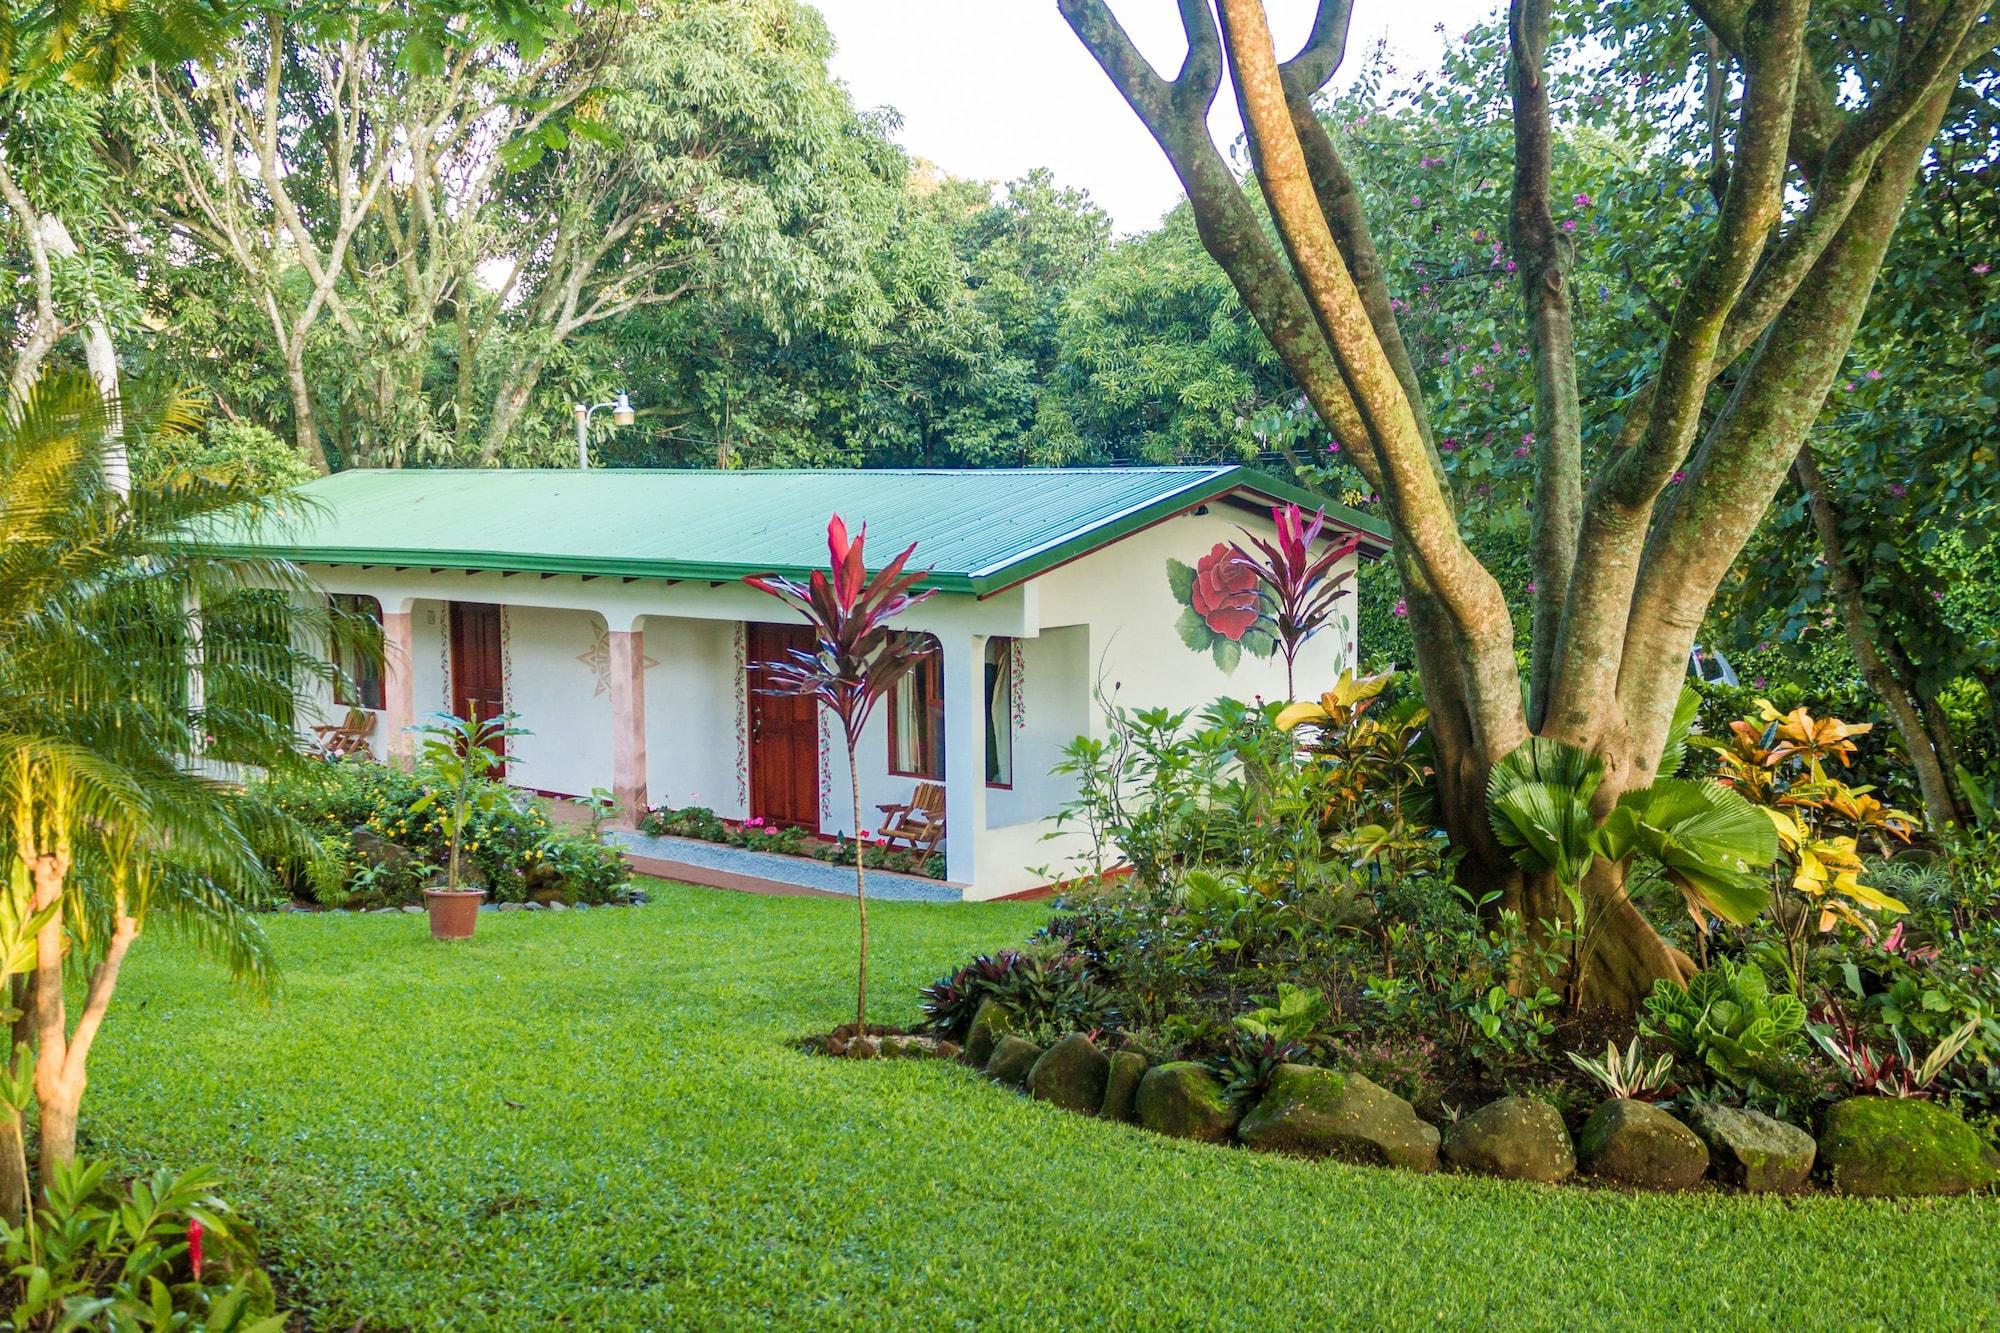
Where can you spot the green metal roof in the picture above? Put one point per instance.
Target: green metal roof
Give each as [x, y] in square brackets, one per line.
[977, 530]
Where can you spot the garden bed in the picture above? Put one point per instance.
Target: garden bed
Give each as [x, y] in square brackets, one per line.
[704, 825]
[378, 843]
[1297, 954]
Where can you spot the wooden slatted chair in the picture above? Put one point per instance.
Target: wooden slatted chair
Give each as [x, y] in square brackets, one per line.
[337, 741]
[919, 821]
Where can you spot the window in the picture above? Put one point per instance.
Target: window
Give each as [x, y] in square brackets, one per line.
[999, 712]
[916, 717]
[359, 683]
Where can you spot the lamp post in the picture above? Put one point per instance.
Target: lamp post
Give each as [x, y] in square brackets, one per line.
[621, 415]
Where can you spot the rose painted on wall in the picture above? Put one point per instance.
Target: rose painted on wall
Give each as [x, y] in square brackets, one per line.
[1225, 593]
[1226, 611]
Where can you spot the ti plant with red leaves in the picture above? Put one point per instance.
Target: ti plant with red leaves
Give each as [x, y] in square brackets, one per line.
[854, 662]
[1302, 584]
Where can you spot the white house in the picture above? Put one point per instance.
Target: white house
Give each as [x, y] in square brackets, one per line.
[606, 609]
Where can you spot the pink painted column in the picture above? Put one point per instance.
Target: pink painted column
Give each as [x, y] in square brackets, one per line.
[627, 671]
[399, 687]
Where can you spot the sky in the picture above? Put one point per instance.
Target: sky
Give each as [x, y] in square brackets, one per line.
[988, 89]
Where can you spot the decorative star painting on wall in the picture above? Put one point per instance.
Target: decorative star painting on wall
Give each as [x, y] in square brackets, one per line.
[598, 659]
[1227, 611]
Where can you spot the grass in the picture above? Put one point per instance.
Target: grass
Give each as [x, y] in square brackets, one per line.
[598, 1121]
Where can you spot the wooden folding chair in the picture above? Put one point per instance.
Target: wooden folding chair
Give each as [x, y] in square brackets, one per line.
[337, 741]
[918, 821]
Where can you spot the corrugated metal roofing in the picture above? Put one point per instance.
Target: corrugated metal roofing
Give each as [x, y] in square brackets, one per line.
[976, 530]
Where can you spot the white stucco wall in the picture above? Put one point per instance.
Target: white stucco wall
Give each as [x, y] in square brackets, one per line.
[1122, 593]
[553, 664]
[694, 715]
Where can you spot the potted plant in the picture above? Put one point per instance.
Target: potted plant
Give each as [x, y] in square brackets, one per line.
[457, 754]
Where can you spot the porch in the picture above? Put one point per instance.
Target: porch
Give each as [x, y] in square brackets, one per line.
[650, 690]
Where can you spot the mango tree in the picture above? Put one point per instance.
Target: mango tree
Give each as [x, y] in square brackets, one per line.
[1819, 117]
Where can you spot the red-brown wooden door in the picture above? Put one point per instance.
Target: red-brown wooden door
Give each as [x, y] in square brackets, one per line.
[784, 735]
[477, 678]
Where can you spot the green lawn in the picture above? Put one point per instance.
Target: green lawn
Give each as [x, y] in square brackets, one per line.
[598, 1121]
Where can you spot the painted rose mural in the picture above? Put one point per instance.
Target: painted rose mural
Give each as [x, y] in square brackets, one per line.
[1227, 611]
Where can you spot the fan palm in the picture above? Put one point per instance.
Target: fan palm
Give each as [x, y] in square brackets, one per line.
[1708, 841]
[114, 710]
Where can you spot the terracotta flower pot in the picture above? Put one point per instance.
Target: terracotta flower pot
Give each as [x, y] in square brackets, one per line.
[454, 912]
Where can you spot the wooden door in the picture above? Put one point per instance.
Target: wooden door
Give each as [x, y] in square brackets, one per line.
[784, 735]
[477, 679]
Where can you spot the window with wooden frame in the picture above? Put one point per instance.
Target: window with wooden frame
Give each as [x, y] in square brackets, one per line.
[358, 682]
[916, 716]
[999, 712]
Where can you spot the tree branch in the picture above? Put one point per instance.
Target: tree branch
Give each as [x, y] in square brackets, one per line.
[1545, 261]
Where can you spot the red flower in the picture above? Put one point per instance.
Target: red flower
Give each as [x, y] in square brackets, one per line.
[194, 1246]
[1225, 592]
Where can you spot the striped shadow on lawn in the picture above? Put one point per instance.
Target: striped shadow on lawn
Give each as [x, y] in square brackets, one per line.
[599, 1121]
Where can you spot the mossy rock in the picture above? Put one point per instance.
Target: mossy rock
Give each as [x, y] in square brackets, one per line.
[1885, 1146]
[1071, 1074]
[1012, 1058]
[991, 1021]
[1315, 1112]
[1752, 1150]
[1633, 1143]
[1182, 1100]
[1121, 1085]
[1515, 1138]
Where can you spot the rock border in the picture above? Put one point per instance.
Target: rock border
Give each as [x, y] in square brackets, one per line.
[1314, 1112]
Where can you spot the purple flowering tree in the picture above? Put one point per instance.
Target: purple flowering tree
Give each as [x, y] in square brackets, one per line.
[855, 660]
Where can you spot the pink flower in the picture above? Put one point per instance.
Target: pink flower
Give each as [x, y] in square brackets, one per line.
[1529, 438]
[1582, 201]
[1874, 374]
[1523, 451]
[1898, 489]
[1531, 587]
[1401, 608]
[1511, 266]
[1569, 224]
[1982, 268]
[1679, 477]
[1333, 448]
[771, 830]
[1416, 201]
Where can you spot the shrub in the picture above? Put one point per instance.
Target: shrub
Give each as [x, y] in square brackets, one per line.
[1726, 1021]
[511, 846]
[159, 1252]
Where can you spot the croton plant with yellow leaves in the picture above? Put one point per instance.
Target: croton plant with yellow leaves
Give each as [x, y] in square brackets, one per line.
[1779, 763]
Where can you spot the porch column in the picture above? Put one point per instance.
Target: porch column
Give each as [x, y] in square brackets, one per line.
[963, 675]
[399, 687]
[627, 671]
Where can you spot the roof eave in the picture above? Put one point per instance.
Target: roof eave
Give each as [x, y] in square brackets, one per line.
[1373, 533]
